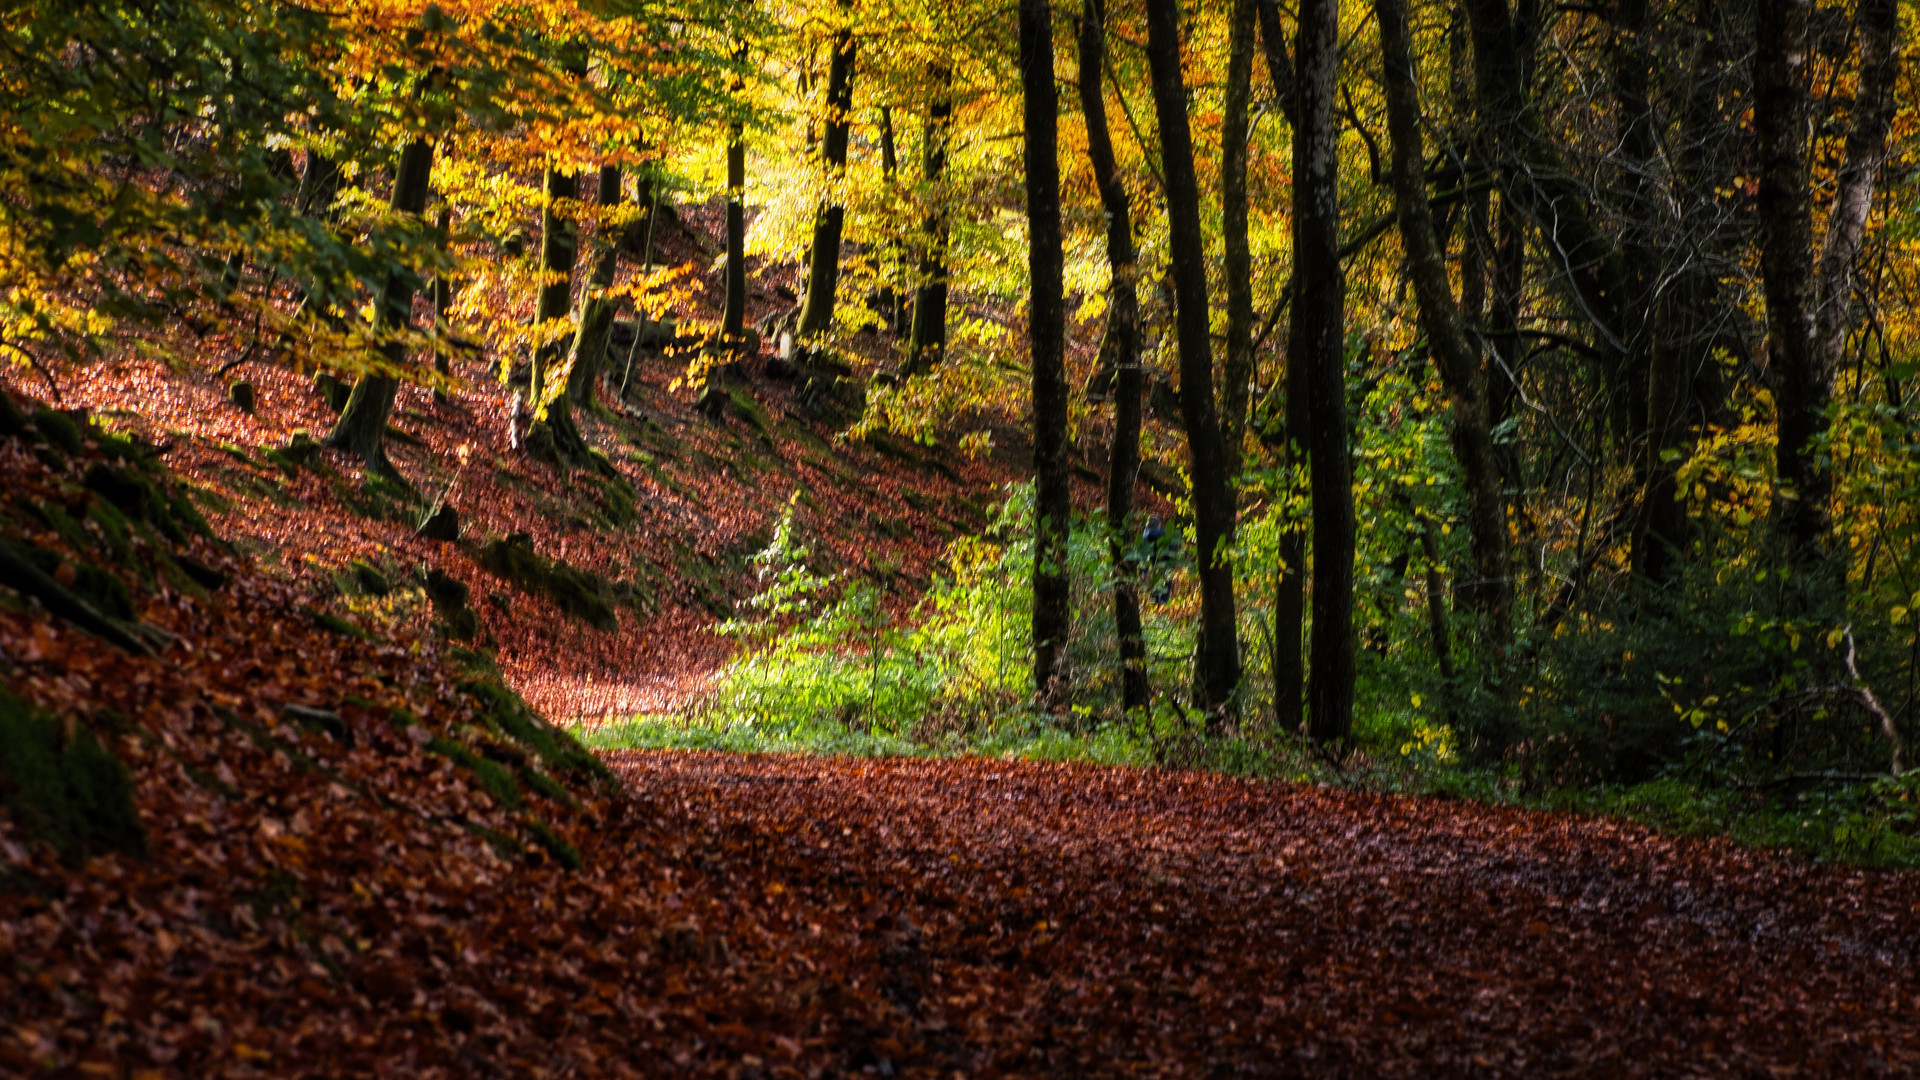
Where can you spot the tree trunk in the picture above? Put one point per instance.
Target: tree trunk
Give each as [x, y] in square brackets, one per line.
[1273, 41]
[1218, 669]
[823, 259]
[1491, 594]
[1878, 23]
[733, 318]
[1785, 209]
[1046, 323]
[553, 435]
[1236, 373]
[1290, 586]
[362, 427]
[1123, 334]
[886, 297]
[927, 338]
[590, 348]
[1318, 336]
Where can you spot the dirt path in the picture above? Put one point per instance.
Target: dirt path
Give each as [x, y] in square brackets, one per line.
[1054, 920]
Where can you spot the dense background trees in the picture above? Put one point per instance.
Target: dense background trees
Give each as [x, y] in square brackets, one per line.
[1554, 366]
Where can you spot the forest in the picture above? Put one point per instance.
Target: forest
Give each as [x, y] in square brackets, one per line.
[878, 537]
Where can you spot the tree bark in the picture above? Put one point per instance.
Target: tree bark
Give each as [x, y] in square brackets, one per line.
[1123, 334]
[1236, 373]
[1046, 323]
[1318, 337]
[362, 427]
[1454, 353]
[1218, 669]
[1290, 587]
[927, 338]
[1785, 208]
[823, 259]
[552, 434]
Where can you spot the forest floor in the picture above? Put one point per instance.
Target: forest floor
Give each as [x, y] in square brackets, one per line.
[1065, 920]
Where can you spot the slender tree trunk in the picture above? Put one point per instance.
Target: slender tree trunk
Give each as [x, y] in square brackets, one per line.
[1236, 373]
[823, 260]
[1123, 334]
[1785, 210]
[927, 338]
[733, 315]
[441, 290]
[733, 318]
[1878, 23]
[1273, 41]
[1318, 336]
[886, 297]
[1046, 323]
[1491, 594]
[1218, 668]
[362, 427]
[1290, 586]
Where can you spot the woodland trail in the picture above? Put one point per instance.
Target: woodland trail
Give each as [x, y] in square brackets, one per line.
[1071, 920]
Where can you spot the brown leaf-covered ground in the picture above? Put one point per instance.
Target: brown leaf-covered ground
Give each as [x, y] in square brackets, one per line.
[1047, 920]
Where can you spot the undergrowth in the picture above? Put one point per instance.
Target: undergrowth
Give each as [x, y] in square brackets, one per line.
[824, 669]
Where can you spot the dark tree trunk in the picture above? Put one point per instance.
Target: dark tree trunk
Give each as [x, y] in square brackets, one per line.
[927, 338]
[886, 298]
[1491, 594]
[823, 258]
[1785, 210]
[733, 318]
[1123, 338]
[1218, 670]
[362, 427]
[553, 435]
[1236, 373]
[441, 290]
[1318, 337]
[1273, 42]
[1046, 323]
[1290, 585]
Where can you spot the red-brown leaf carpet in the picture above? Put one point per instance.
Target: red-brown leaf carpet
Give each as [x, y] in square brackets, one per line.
[1046, 920]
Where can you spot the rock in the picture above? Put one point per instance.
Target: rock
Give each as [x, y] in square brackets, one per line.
[57, 428]
[301, 446]
[442, 524]
[448, 593]
[121, 487]
[323, 720]
[240, 393]
[369, 577]
[712, 402]
[778, 368]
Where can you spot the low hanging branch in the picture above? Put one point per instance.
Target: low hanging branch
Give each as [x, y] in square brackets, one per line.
[1863, 694]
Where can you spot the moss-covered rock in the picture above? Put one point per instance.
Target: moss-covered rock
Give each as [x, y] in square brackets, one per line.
[63, 786]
